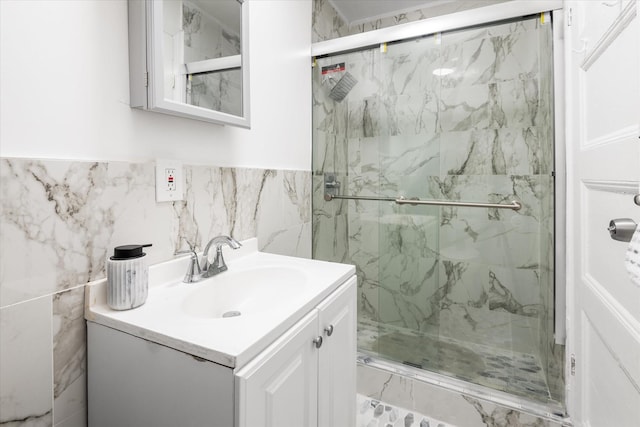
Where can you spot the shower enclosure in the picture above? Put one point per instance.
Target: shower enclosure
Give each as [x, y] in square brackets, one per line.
[463, 116]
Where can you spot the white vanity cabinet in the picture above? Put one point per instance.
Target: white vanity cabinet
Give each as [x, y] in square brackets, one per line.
[293, 382]
[336, 367]
[307, 377]
[137, 383]
[280, 387]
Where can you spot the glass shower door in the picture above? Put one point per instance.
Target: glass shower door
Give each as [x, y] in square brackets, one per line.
[463, 116]
[464, 291]
[408, 156]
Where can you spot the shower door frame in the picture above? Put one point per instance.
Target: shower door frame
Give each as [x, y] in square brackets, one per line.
[455, 21]
[438, 24]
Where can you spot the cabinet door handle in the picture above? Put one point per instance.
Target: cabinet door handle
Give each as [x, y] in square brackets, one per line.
[318, 341]
[328, 330]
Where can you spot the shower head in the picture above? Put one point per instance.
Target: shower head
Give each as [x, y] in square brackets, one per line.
[342, 87]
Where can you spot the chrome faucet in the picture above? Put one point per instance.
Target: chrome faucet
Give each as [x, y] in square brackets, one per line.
[196, 273]
[218, 265]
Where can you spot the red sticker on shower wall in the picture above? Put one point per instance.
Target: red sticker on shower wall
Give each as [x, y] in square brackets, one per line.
[333, 68]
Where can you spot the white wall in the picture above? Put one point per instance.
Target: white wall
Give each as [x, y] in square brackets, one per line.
[65, 90]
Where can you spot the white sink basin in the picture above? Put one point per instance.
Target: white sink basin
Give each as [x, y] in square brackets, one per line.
[232, 294]
[270, 292]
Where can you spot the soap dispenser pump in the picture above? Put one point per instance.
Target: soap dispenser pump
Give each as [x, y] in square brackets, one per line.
[127, 277]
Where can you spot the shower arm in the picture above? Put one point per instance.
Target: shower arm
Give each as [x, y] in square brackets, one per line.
[514, 205]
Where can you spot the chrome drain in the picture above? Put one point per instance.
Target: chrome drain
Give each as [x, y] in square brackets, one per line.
[232, 313]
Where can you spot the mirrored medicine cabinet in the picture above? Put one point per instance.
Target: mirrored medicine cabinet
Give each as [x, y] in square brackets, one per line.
[190, 58]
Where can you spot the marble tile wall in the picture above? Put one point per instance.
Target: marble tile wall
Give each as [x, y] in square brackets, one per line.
[483, 132]
[59, 220]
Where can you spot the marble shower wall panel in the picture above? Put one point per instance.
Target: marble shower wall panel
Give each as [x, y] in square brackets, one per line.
[362, 103]
[330, 148]
[506, 138]
[408, 268]
[330, 153]
[407, 163]
[328, 117]
[495, 151]
[330, 229]
[555, 373]
[483, 132]
[60, 221]
[364, 173]
[510, 104]
[552, 354]
[410, 91]
[492, 53]
[363, 253]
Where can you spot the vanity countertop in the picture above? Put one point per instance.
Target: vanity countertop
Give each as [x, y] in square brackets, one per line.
[230, 341]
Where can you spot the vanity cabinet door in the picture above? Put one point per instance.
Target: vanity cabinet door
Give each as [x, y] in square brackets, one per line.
[337, 363]
[280, 386]
[133, 382]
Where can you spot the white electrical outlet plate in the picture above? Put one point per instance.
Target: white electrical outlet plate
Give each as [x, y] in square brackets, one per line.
[169, 181]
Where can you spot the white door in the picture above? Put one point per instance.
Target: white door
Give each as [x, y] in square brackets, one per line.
[337, 364]
[603, 104]
[279, 388]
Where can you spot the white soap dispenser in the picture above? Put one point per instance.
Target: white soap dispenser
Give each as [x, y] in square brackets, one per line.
[127, 277]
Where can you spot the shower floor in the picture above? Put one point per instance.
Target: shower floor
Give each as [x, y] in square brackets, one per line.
[512, 372]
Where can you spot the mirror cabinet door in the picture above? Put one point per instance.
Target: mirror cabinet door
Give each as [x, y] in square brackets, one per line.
[196, 58]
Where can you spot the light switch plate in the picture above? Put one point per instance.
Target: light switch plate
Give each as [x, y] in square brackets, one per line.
[169, 181]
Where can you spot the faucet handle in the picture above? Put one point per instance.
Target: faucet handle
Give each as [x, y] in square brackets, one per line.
[218, 265]
[234, 244]
[194, 272]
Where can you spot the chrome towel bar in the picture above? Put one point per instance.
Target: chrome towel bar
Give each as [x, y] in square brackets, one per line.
[402, 201]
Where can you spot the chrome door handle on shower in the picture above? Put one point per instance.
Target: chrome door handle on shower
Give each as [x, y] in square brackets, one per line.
[514, 205]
